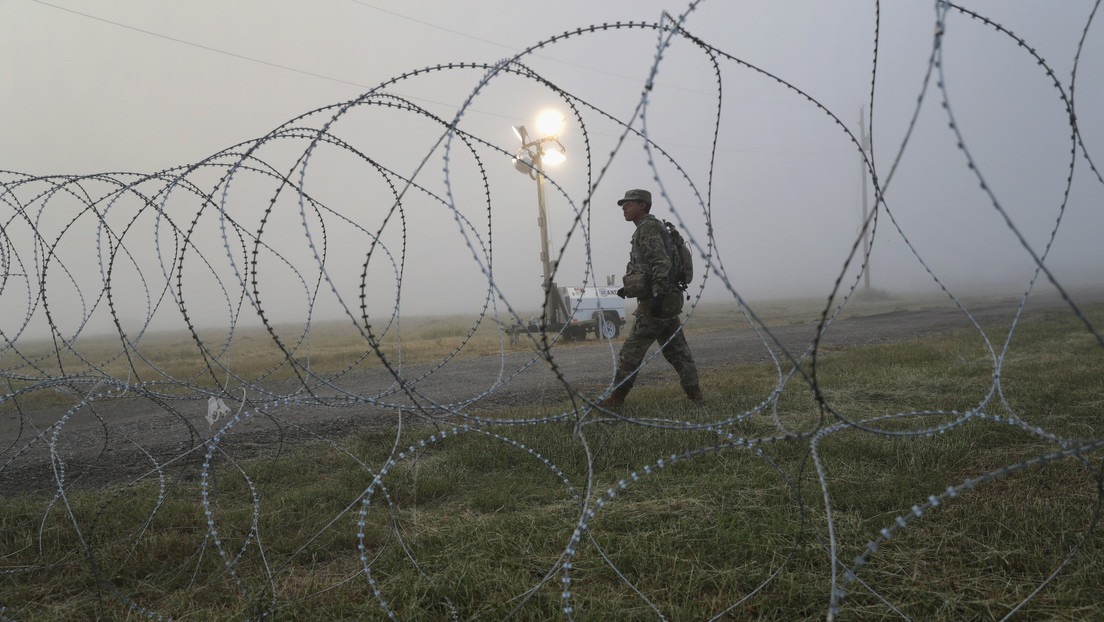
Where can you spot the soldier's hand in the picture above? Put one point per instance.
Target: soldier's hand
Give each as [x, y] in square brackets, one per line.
[621, 292]
[657, 306]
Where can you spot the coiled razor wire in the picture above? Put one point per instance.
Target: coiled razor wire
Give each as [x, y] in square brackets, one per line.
[154, 258]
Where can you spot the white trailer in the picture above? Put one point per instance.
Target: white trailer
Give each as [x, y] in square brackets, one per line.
[592, 309]
[576, 311]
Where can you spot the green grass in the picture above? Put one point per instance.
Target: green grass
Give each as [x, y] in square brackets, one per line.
[182, 361]
[467, 525]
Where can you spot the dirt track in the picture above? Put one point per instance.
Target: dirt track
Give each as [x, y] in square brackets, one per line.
[130, 436]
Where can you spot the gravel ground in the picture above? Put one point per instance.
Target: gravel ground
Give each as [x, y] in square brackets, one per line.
[122, 438]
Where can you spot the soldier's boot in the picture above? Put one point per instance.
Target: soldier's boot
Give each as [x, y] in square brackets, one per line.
[615, 399]
[695, 395]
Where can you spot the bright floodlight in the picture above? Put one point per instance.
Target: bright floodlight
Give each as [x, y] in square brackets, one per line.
[552, 157]
[549, 123]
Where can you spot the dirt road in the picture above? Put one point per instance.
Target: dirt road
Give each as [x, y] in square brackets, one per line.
[120, 438]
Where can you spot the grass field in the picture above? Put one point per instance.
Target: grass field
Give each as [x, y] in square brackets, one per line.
[209, 356]
[674, 519]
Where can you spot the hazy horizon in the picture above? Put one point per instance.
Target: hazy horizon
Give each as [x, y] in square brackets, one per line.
[306, 154]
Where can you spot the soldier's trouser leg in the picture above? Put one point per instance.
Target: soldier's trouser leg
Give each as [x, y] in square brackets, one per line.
[677, 353]
[644, 331]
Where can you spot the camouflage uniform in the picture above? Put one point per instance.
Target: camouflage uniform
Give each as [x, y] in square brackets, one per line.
[649, 256]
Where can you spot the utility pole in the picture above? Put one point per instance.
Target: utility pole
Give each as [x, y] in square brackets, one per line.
[865, 139]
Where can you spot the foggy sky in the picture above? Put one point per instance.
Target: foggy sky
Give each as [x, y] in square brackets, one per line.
[134, 87]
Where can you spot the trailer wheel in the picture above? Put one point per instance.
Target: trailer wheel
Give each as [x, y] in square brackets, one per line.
[612, 318]
[606, 328]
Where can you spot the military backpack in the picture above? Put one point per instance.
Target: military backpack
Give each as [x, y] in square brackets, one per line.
[682, 262]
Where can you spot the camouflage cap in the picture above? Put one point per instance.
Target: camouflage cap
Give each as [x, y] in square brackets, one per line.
[637, 195]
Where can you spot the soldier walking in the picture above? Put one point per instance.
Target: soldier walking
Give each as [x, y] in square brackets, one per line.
[649, 279]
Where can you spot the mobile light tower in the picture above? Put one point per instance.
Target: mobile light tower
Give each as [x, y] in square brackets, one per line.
[531, 158]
